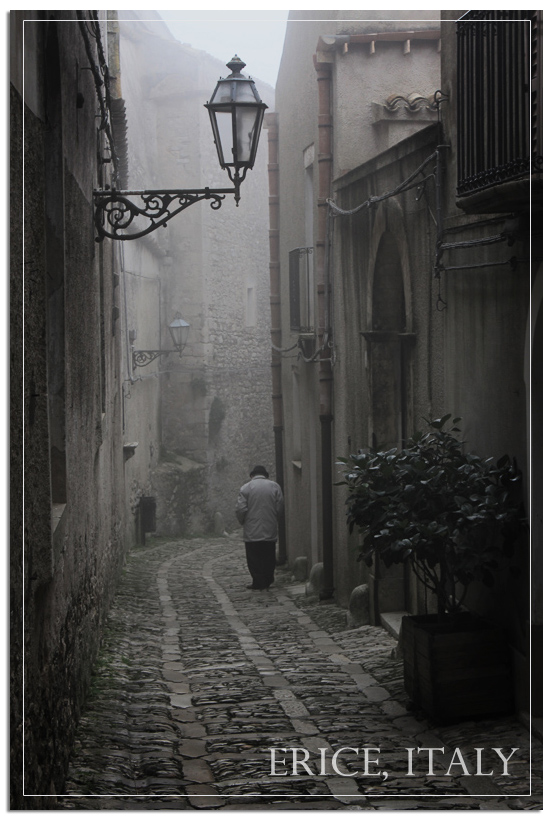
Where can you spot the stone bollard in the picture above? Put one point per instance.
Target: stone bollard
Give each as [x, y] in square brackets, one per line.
[299, 568]
[316, 580]
[358, 609]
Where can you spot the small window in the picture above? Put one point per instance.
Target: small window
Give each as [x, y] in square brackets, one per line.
[301, 290]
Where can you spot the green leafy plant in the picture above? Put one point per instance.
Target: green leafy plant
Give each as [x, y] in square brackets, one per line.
[451, 515]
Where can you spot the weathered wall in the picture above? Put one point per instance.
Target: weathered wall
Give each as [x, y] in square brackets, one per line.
[487, 311]
[396, 235]
[360, 78]
[73, 459]
[238, 324]
[215, 400]
[142, 269]
[487, 348]
[16, 450]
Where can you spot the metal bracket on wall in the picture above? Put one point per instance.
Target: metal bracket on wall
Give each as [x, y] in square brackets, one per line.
[115, 211]
[140, 358]
[508, 234]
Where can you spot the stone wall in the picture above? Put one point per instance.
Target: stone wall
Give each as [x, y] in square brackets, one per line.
[215, 412]
[16, 450]
[74, 513]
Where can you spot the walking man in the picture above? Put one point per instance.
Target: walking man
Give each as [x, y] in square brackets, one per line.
[258, 507]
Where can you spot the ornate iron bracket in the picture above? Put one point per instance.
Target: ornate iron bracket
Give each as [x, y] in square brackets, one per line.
[140, 358]
[116, 210]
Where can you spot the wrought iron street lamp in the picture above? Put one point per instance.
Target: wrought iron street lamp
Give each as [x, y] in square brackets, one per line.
[236, 113]
[178, 329]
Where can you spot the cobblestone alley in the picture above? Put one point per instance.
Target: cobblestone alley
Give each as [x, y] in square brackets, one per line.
[199, 678]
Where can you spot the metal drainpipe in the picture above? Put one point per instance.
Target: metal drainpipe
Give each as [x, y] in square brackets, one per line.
[324, 81]
[271, 121]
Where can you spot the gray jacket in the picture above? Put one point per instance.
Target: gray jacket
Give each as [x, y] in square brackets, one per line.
[259, 504]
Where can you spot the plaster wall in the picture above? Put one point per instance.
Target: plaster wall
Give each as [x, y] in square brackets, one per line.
[358, 240]
[487, 313]
[487, 343]
[468, 357]
[363, 79]
[142, 314]
[359, 78]
[297, 109]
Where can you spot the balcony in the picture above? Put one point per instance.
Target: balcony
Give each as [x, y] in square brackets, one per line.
[499, 106]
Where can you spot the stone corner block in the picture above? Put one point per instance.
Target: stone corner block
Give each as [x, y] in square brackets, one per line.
[358, 609]
[316, 580]
[300, 568]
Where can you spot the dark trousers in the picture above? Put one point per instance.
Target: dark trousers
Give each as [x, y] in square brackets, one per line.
[261, 559]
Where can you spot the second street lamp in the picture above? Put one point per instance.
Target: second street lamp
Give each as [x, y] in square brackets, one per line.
[178, 329]
[236, 113]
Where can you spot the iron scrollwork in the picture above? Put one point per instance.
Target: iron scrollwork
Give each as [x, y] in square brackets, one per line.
[140, 358]
[115, 211]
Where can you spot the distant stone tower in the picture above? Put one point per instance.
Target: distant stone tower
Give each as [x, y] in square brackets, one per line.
[214, 418]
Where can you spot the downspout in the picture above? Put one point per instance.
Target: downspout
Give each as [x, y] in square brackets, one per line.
[271, 121]
[324, 81]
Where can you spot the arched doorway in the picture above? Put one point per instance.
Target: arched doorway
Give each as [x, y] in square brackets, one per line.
[386, 365]
[390, 342]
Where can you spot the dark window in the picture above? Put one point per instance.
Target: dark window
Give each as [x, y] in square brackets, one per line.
[498, 87]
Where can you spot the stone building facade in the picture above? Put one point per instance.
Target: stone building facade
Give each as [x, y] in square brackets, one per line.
[108, 102]
[423, 302]
[346, 92]
[213, 402]
[493, 359]
[69, 510]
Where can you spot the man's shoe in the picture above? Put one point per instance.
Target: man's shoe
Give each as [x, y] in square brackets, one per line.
[251, 586]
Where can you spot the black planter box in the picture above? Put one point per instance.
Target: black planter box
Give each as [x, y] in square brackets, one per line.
[456, 668]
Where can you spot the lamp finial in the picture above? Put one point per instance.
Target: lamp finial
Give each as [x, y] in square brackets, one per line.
[236, 65]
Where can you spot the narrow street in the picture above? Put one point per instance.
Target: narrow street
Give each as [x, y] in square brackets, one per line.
[199, 678]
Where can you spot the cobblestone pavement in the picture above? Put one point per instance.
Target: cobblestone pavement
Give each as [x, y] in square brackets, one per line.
[198, 678]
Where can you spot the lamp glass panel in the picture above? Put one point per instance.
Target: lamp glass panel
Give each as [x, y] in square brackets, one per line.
[245, 93]
[179, 332]
[224, 126]
[223, 93]
[245, 133]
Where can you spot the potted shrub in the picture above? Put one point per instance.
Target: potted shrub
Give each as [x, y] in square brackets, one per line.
[449, 515]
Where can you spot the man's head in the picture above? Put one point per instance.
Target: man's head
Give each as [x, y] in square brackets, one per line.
[259, 470]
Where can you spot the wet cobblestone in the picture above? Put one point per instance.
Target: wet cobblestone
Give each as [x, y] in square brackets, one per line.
[198, 678]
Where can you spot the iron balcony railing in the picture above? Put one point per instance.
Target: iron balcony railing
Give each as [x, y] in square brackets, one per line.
[498, 98]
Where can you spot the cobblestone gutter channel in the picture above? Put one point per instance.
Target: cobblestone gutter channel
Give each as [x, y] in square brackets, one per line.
[199, 678]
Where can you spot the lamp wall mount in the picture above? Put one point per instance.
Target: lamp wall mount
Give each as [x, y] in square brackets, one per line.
[115, 211]
[236, 114]
[178, 329]
[140, 358]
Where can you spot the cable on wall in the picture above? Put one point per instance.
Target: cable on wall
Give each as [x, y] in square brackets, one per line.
[100, 75]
